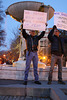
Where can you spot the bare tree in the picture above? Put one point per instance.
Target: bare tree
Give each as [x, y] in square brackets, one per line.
[15, 43]
[2, 32]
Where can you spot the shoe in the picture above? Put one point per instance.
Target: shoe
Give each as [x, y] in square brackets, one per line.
[25, 82]
[49, 82]
[61, 82]
[37, 82]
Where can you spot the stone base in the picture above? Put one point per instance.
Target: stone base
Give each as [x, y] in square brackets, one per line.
[19, 63]
[22, 63]
[17, 73]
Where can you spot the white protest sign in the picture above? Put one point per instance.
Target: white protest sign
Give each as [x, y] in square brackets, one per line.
[34, 20]
[60, 20]
[66, 63]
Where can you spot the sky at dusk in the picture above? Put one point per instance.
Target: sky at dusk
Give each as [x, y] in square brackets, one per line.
[11, 24]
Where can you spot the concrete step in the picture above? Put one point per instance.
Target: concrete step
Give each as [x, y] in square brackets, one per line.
[16, 88]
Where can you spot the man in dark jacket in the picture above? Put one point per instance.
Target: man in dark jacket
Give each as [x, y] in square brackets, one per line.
[31, 54]
[57, 50]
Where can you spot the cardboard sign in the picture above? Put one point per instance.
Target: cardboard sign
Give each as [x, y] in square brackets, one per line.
[34, 20]
[60, 20]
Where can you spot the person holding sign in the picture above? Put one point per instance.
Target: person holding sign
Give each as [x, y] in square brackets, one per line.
[31, 54]
[57, 51]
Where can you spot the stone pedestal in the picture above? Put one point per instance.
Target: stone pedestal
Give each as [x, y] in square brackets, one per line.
[20, 63]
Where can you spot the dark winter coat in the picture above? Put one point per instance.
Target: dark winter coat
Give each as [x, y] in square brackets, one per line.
[55, 43]
[32, 41]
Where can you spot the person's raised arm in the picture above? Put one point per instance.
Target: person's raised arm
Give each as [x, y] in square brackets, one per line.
[42, 33]
[25, 35]
[50, 36]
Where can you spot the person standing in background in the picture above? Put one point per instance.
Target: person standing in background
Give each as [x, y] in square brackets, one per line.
[57, 51]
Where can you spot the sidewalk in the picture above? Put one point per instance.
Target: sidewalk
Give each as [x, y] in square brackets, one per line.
[16, 90]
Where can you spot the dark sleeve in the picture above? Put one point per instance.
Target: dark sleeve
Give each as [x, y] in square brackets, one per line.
[25, 35]
[65, 40]
[50, 35]
[41, 35]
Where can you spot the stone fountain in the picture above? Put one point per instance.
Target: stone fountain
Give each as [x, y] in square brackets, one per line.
[16, 11]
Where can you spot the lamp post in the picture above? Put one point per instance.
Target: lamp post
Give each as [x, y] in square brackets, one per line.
[20, 48]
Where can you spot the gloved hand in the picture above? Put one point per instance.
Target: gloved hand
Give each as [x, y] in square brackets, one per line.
[22, 23]
[54, 27]
[46, 24]
[21, 26]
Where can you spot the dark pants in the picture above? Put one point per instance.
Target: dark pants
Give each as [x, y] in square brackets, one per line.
[34, 57]
[55, 59]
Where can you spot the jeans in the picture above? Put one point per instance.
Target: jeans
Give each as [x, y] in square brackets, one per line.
[55, 59]
[34, 57]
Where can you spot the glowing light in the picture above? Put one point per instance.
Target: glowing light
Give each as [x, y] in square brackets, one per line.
[4, 55]
[44, 57]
